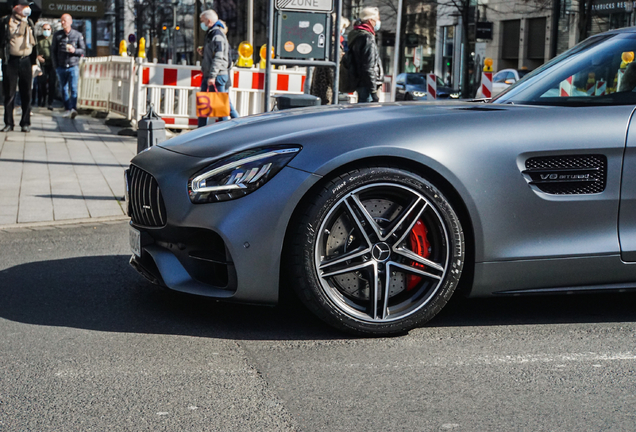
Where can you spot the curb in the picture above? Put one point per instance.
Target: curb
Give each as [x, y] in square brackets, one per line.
[61, 223]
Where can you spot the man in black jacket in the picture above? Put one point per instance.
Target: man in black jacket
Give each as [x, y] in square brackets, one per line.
[19, 53]
[365, 55]
[67, 48]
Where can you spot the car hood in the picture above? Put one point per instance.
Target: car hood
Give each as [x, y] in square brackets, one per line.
[297, 126]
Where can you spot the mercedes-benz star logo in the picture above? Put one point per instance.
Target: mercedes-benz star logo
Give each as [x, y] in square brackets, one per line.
[381, 252]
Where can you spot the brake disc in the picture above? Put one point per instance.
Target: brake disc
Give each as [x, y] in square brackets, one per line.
[343, 235]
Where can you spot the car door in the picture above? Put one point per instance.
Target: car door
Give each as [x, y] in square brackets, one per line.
[627, 213]
[400, 87]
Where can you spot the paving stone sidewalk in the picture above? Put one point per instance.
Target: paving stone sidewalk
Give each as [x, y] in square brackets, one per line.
[62, 170]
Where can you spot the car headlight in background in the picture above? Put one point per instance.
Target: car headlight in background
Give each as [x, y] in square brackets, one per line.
[240, 174]
[454, 95]
[419, 94]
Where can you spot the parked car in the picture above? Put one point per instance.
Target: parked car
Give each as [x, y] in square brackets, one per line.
[412, 86]
[376, 214]
[502, 80]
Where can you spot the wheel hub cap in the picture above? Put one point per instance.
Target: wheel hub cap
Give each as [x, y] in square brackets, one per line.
[381, 252]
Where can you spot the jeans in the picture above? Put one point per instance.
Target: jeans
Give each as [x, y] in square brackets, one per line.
[69, 78]
[365, 95]
[17, 74]
[222, 86]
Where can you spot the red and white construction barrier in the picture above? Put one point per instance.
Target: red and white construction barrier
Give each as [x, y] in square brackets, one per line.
[486, 84]
[565, 87]
[601, 87]
[106, 83]
[126, 86]
[431, 87]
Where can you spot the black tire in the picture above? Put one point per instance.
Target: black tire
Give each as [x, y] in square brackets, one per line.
[378, 251]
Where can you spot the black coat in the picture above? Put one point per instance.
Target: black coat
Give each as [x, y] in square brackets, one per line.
[59, 55]
[365, 59]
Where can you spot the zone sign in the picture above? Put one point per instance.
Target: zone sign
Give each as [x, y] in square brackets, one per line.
[305, 5]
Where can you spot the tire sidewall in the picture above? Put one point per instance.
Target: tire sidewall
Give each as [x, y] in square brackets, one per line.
[312, 292]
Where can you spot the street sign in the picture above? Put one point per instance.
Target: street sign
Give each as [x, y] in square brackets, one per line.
[305, 5]
[417, 56]
[77, 8]
[483, 30]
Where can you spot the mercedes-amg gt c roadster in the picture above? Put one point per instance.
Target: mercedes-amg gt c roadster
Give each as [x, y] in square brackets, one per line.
[375, 213]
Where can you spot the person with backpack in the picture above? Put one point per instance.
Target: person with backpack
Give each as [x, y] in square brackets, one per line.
[364, 65]
[19, 54]
[216, 59]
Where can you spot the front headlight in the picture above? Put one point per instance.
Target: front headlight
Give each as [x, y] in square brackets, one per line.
[419, 94]
[240, 174]
[454, 95]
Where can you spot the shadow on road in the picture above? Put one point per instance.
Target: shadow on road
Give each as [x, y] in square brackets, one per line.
[103, 293]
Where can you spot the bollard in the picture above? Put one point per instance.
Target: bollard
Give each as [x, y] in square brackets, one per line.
[151, 130]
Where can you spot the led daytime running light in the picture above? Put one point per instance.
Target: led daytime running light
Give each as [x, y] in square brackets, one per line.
[199, 182]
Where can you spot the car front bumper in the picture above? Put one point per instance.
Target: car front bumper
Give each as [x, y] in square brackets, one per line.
[227, 250]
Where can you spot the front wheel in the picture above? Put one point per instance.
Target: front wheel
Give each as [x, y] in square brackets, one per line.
[377, 252]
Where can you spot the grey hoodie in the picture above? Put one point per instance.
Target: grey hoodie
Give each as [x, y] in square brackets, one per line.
[216, 53]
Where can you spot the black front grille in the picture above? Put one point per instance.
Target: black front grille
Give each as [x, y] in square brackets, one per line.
[146, 203]
[568, 175]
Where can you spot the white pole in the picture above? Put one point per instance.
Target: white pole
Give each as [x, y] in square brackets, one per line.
[396, 53]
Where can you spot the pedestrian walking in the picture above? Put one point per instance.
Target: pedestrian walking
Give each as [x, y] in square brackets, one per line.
[46, 81]
[19, 52]
[67, 48]
[216, 59]
[365, 55]
[322, 82]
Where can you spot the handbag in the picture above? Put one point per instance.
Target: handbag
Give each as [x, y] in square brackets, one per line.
[213, 104]
[36, 69]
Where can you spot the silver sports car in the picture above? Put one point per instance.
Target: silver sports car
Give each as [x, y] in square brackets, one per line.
[376, 214]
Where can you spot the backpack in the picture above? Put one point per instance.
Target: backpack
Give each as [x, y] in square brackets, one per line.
[347, 81]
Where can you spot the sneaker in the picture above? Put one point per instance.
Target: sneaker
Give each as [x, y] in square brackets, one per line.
[67, 113]
[73, 114]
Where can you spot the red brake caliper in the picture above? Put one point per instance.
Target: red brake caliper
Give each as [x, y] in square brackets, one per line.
[420, 245]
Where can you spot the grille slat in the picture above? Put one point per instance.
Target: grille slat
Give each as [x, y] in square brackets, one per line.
[147, 204]
[568, 175]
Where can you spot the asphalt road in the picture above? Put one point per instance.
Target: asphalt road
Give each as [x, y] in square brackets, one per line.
[88, 345]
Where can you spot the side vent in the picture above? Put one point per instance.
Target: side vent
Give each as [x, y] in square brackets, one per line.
[568, 175]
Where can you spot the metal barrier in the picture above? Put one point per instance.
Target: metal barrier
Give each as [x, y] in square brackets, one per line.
[172, 90]
[106, 83]
[126, 86]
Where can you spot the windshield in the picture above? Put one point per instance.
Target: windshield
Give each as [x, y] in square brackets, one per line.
[416, 79]
[598, 71]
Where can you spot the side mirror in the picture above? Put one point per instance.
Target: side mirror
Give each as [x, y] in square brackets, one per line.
[510, 81]
[400, 85]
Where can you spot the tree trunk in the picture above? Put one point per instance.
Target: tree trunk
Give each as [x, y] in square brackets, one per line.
[585, 17]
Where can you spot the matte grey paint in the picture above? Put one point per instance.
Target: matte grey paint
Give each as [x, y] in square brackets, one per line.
[521, 236]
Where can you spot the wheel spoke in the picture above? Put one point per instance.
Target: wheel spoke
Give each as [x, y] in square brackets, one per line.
[414, 270]
[367, 220]
[342, 258]
[401, 227]
[347, 269]
[415, 257]
[380, 286]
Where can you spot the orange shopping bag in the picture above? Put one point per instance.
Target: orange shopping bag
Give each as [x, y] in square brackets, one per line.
[213, 104]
